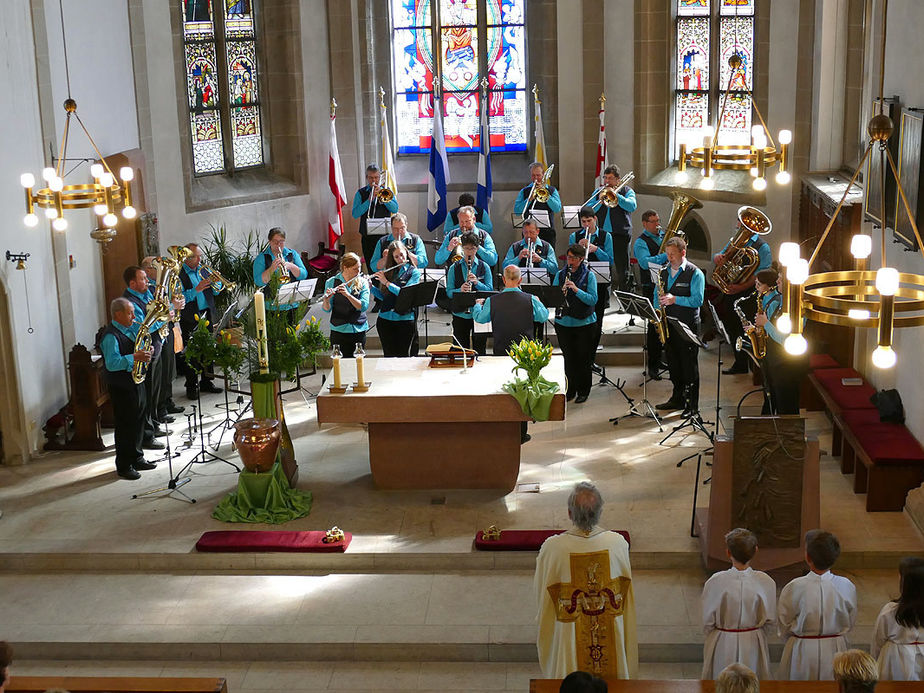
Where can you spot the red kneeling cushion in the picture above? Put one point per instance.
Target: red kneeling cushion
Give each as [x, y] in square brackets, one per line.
[524, 539]
[884, 442]
[322, 263]
[246, 540]
[819, 361]
[846, 396]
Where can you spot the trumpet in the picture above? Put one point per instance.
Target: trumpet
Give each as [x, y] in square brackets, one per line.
[284, 275]
[219, 283]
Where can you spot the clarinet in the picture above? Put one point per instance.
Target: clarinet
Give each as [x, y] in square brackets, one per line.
[560, 311]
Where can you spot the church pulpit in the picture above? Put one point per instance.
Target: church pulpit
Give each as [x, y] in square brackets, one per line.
[89, 405]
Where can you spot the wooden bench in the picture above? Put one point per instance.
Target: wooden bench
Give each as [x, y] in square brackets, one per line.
[808, 396]
[116, 684]
[837, 398]
[886, 459]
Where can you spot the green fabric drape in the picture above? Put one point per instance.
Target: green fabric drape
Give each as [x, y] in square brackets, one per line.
[263, 497]
[534, 396]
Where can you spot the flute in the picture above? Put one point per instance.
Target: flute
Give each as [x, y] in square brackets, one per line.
[350, 285]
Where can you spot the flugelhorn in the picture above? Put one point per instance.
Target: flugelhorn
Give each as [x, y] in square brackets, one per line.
[219, 283]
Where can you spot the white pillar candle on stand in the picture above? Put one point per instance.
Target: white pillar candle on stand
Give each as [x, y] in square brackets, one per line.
[360, 355]
[259, 307]
[335, 360]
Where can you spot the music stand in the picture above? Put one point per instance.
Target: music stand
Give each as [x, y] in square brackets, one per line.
[570, 216]
[536, 275]
[542, 217]
[463, 300]
[640, 306]
[417, 296]
[296, 292]
[378, 226]
[680, 330]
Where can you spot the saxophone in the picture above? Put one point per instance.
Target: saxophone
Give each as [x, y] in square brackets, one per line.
[661, 324]
[757, 336]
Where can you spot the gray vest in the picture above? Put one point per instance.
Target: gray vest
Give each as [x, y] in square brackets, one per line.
[511, 319]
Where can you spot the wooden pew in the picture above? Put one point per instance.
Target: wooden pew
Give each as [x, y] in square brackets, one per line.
[116, 684]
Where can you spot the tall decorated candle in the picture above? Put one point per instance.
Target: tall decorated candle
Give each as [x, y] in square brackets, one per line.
[259, 308]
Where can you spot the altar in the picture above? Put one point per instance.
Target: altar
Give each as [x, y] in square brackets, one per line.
[435, 428]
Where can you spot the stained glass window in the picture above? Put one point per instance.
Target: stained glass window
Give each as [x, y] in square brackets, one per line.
[704, 75]
[222, 85]
[450, 43]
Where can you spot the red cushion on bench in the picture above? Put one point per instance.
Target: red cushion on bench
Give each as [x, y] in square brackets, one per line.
[846, 396]
[322, 263]
[247, 540]
[819, 361]
[524, 539]
[885, 443]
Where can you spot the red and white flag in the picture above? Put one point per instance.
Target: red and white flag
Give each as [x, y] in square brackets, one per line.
[338, 198]
[602, 159]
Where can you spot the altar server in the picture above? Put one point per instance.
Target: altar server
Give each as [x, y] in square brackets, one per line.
[898, 636]
[586, 605]
[816, 611]
[576, 323]
[346, 298]
[737, 604]
[396, 330]
[468, 274]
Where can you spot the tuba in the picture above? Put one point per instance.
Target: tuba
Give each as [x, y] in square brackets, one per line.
[741, 260]
[158, 309]
[757, 336]
[682, 204]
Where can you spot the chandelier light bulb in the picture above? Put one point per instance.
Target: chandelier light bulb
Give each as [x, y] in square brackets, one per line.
[783, 178]
[106, 179]
[760, 141]
[56, 184]
[887, 281]
[30, 220]
[756, 130]
[785, 136]
[789, 253]
[708, 183]
[795, 344]
[681, 177]
[884, 357]
[858, 314]
[59, 224]
[96, 170]
[861, 246]
[129, 212]
[27, 180]
[760, 184]
[110, 220]
[51, 213]
[784, 323]
[48, 173]
[127, 173]
[798, 271]
[100, 209]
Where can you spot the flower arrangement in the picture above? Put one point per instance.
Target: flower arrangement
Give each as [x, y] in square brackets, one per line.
[535, 393]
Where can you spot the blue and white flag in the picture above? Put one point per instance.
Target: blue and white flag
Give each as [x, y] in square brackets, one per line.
[485, 186]
[439, 171]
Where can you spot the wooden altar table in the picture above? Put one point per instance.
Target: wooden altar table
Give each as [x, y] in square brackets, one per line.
[435, 428]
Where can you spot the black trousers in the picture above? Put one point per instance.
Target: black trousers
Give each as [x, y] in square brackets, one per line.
[347, 342]
[128, 409]
[548, 235]
[683, 365]
[603, 300]
[620, 259]
[733, 326]
[168, 374]
[652, 341]
[369, 243]
[397, 336]
[577, 348]
[187, 327]
[152, 385]
[783, 376]
[463, 329]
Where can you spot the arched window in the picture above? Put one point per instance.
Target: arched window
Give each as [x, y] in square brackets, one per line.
[455, 44]
[708, 33]
[222, 78]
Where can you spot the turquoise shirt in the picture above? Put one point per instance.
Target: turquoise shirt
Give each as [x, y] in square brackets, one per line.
[482, 313]
[772, 302]
[604, 252]
[191, 294]
[420, 252]
[360, 207]
[146, 297]
[644, 256]
[588, 297]
[549, 262]
[363, 297]
[260, 265]
[395, 289]
[486, 252]
[109, 345]
[553, 203]
[478, 268]
[764, 254]
[697, 288]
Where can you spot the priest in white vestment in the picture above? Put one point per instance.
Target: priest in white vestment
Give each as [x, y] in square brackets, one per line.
[586, 607]
[816, 612]
[737, 604]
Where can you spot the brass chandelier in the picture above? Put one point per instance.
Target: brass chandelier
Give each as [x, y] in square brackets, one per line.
[883, 298]
[104, 194]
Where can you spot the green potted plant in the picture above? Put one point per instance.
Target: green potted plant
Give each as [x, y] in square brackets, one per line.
[535, 393]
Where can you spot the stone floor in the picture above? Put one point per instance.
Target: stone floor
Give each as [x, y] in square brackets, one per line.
[94, 580]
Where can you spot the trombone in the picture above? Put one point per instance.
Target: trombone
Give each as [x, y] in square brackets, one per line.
[380, 193]
[539, 192]
[608, 193]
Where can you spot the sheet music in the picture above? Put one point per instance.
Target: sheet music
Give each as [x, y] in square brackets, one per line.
[378, 227]
[536, 275]
[570, 215]
[601, 269]
[296, 292]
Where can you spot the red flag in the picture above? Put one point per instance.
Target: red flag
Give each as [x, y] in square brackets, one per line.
[338, 199]
[602, 161]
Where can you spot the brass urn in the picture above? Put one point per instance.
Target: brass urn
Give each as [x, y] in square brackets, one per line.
[257, 441]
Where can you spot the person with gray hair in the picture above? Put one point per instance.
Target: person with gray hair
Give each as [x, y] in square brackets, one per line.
[583, 586]
[117, 345]
[416, 251]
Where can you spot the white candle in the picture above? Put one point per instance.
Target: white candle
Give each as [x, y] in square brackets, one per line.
[336, 361]
[360, 380]
[259, 307]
